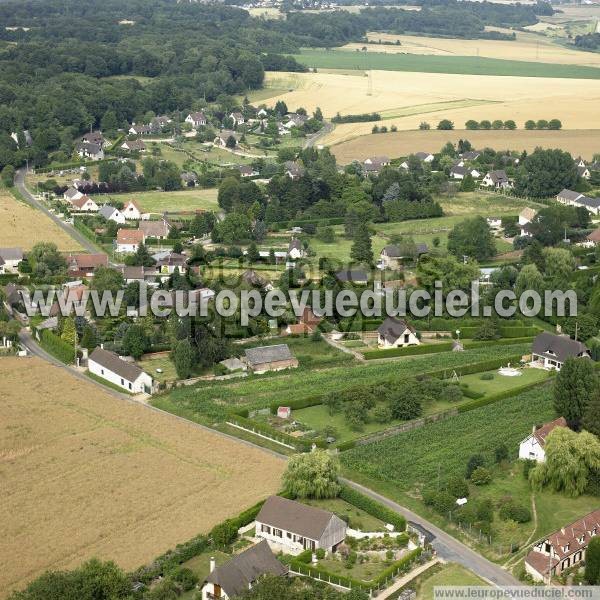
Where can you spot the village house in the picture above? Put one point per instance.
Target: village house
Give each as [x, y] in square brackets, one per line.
[94, 137]
[134, 146]
[579, 162]
[10, 259]
[90, 150]
[425, 157]
[293, 527]
[532, 447]
[132, 211]
[110, 213]
[470, 155]
[155, 229]
[307, 323]
[129, 240]
[583, 172]
[460, 172]
[295, 120]
[391, 255]
[571, 198]
[396, 333]
[295, 249]
[247, 171]
[497, 180]
[526, 216]
[241, 573]
[293, 169]
[593, 239]
[85, 204]
[189, 178]
[169, 262]
[71, 194]
[270, 358]
[85, 265]
[224, 136]
[196, 119]
[159, 123]
[550, 351]
[374, 164]
[237, 118]
[124, 374]
[355, 276]
[140, 129]
[134, 274]
[562, 549]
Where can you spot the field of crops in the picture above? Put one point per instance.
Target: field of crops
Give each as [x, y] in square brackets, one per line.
[209, 403]
[413, 458]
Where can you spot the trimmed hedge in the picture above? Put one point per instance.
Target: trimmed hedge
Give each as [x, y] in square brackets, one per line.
[372, 507]
[56, 346]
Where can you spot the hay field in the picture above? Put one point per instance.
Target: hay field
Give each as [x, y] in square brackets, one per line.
[583, 143]
[406, 99]
[24, 226]
[181, 200]
[85, 474]
[527, 47]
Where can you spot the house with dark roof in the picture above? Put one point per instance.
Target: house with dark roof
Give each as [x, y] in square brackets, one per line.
[155, 229]
[460, 172]
[293, 527]
[110, 213]
[135, 274]
[140, 129]
[248, 171]
[562, 549]
[241, 573]
[84, 265]
[295, 249]
[71, 194]
[293, 169]
[571, 198]
[196, 119]
[89, 150]
[396, 333]
[497, 179]
[168, 262]
[224, 135]
[391, 255]
[127, 375]
[133, 146]
[270, 358]
[470, 155]
[10, 259]
[356, 276]
[375, 164]
[550, 351]
[532, 447]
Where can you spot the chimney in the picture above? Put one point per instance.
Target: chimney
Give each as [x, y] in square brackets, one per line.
[102, 346]
[533, 429]
[212, 564]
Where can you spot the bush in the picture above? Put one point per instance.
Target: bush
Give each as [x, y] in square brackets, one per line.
[475, 462]
[487, 377]
[373, 508]
[458, 487]
[527, 466]
[481, 476]
[440, 500]
[501, 453]
[224, 533]
[320, 553]
[514, 512]
[305, 556]
[57, 347]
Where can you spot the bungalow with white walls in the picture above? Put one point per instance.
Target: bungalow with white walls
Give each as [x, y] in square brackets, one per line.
[84, 204]
[532, 447]
[396, 333]
[196, 119]
[550, 351]
[110, 213]
[127, 375]
[526, 216]
[129, 240]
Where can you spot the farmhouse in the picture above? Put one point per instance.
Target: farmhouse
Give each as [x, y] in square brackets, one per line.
[239, 574]
[525, 217]
[571, 198]
[196, 119]
[295, 249]
[132, 211]
[532, 447]
[550, 351]
[293, 527]
[155, 229]
[562, 549]
[129, 240]
[89, 150]
[133, 146]
[110, 213]
[85, 204]
[497, 180]
[10, 259]
[396, 333]
[127, 375]
[140, 129]
[84, 265]
[270, 358]
[293, 169]
[225, 136]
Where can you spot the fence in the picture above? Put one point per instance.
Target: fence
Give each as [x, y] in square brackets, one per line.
[262, 435]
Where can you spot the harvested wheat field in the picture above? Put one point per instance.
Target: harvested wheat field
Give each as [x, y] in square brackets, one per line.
[406, 99]
[21, 225]
[526, 47]
[86, 474]
[583, 143]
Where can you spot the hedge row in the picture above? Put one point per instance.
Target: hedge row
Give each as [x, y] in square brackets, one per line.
[57, 347]
[73, 165]
[516, 331]
[373, 508]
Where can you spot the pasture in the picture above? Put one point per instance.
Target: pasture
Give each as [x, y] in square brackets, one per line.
[85, 474]
[24, 226]
[406, 99]
[189, 199]
[579, 142]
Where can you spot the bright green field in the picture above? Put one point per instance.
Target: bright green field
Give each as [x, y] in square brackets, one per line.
[462, 65]
[359, 519]
[501, 382]
[159, 202]
[449, 574]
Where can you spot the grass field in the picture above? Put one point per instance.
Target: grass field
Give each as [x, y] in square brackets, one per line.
[159, 202]
[85, 474]
[580, 142]
[448, 574]
[21, 225]
[500, 382]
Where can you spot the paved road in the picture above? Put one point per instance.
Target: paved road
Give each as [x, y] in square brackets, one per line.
[313, 139]
[76, 235]
[446, 546]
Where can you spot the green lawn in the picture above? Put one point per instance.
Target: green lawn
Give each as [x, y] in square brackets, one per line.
[500, 382]
[358, 519]
[464, 65]
[159, 202]
[200, 565]
[448, 574]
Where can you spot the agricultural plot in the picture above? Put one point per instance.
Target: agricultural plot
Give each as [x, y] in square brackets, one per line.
[85, 474]
[159, 202]
[24, 226]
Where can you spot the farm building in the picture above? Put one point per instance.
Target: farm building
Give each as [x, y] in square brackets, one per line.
[270, 358]
[396, 333]
[293, 527]
[562, 549]
[111, 367]
[532, 447]
[550, 351]
[239, 574]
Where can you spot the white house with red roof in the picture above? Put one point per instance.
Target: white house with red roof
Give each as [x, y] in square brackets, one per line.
[84, 204]
[532, 447]
[129, 240]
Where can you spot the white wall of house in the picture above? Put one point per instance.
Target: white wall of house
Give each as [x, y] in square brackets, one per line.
[547, 363]
[131, 212]
[295, 253]
[141, 384]
[208, 592]
[282, 539]
[127, 248]
[117, 217]
[408, 338]
[530, 449]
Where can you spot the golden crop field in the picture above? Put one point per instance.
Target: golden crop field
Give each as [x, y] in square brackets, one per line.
[85, 474]
[21, 225]
[406, 99]
[583, 143]
[527, 47]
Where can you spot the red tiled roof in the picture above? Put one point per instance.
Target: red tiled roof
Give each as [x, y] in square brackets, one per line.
[542, 433]
[130, 236]
[594, 236]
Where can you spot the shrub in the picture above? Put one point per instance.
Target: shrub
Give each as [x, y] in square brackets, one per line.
[487, 377]
[441, 501]
[527, 466]
[305, 556]
[481, 476]
[475, 462]
[514, 512]
[224, 533]
[320, 553]
[458, 487]
[373, 508]
[501, 453]
[185, 577]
